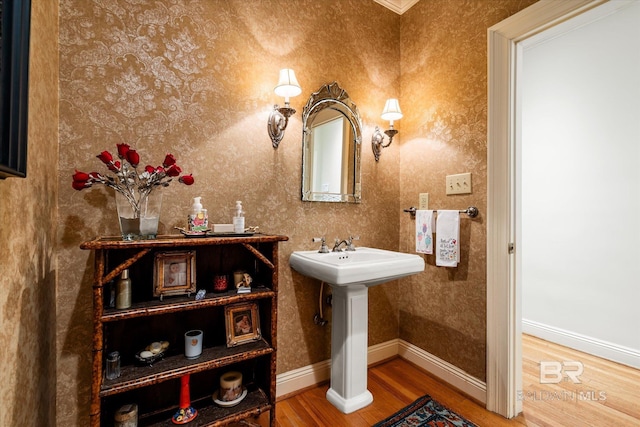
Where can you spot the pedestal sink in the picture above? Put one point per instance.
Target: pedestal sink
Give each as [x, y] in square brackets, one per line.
[350, 275]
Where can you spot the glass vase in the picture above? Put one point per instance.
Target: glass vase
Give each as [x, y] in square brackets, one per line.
[139, 217]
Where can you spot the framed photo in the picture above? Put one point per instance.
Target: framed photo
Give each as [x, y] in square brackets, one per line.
[174, 273]
[15, 26]
[243, 323]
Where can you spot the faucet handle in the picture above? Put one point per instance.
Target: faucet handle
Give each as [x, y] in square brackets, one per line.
[323, 247]
[350, 246]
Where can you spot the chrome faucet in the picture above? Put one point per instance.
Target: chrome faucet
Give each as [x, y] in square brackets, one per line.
[336, 246]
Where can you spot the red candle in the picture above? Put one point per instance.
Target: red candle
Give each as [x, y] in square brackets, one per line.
[185, 394]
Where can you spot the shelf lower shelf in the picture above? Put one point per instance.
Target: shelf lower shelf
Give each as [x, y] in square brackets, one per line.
[132, 376]
[210, 414]
[175, 304]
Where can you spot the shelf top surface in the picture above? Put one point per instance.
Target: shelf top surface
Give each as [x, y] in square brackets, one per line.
[175, 240]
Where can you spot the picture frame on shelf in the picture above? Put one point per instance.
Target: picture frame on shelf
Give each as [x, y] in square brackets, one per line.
[242, 323]
[174, 273]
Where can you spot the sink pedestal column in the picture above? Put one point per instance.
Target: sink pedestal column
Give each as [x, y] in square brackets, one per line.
[349, 342]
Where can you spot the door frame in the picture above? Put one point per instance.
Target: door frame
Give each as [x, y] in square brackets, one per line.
[504, 345]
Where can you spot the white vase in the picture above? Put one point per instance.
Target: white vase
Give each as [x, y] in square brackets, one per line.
[139, 217]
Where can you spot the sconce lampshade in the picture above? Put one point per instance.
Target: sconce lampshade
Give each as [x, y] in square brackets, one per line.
[288, 85]
[391, 110]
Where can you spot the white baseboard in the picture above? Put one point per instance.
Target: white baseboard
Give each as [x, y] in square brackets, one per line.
[297, 379]
[606, 350]
[445, 371]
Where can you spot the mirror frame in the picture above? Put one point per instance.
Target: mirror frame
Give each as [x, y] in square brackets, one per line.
[331, 96]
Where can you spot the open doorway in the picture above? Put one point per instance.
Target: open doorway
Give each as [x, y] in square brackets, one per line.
[504, 312]
[577, 184]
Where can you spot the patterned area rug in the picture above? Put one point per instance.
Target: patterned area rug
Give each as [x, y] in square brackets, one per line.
[425, 412]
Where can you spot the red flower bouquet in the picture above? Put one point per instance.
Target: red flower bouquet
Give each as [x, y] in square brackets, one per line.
[133, 185]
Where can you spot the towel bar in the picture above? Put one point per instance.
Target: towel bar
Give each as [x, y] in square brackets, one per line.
[471, 211]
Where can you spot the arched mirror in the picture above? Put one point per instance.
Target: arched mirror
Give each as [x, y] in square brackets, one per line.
[332, 138]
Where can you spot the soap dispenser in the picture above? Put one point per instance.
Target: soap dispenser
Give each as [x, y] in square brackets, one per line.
[198, 219]
[238, 218]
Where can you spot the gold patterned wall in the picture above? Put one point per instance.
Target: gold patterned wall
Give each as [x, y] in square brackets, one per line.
[195, 78]
[27, 245]
[444, 98]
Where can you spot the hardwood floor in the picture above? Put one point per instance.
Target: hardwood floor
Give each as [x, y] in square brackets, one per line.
[607, 394]
[606, 397]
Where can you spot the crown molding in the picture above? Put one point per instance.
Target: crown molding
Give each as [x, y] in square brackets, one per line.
[398, 6]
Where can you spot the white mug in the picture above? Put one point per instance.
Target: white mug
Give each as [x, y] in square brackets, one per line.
[193, 344]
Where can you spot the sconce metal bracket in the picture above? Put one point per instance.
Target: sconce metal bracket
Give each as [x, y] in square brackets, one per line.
[377, 141]
[278, 121]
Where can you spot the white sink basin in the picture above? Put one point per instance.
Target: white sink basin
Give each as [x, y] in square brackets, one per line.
[365, 266]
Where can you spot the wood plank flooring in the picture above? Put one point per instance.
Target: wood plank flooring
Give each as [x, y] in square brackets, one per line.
[608, 395]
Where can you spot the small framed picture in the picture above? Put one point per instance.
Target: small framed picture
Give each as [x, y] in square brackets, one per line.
[174, 273]
[243, 323]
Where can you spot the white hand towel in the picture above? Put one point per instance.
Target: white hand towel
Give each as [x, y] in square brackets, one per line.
[424, 232]
[448, 239]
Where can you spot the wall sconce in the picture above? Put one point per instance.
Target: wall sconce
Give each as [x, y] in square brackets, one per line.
[391, 112]
[287, 87]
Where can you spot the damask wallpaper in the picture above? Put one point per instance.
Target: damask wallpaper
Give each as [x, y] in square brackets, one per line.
[28, 225]
[444, 131]
[195, 78]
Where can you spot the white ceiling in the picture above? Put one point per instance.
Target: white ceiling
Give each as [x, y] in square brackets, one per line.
[398, 6]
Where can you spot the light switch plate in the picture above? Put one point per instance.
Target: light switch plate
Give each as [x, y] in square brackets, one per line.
[423, 203]
[459, 184]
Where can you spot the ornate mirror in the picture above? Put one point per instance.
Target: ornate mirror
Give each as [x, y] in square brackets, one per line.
[331, 142]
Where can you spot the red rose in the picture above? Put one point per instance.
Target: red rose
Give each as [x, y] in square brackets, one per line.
[121, 164]
[122, 150]
[114, 166]
[81, 176]
[186, 179]
[133, 158]
[174, 170]
[106, 157]
[79, 185]
[169, 160]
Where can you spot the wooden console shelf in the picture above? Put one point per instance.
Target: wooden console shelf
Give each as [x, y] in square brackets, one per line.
[155, 388]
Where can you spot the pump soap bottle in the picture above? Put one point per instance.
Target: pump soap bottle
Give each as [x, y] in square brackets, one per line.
[238, 218]
[198, 219]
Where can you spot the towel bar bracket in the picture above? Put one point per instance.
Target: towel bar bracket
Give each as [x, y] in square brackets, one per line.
[471, 211]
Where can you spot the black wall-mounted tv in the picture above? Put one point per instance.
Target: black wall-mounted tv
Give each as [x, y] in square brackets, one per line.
[14, 86]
